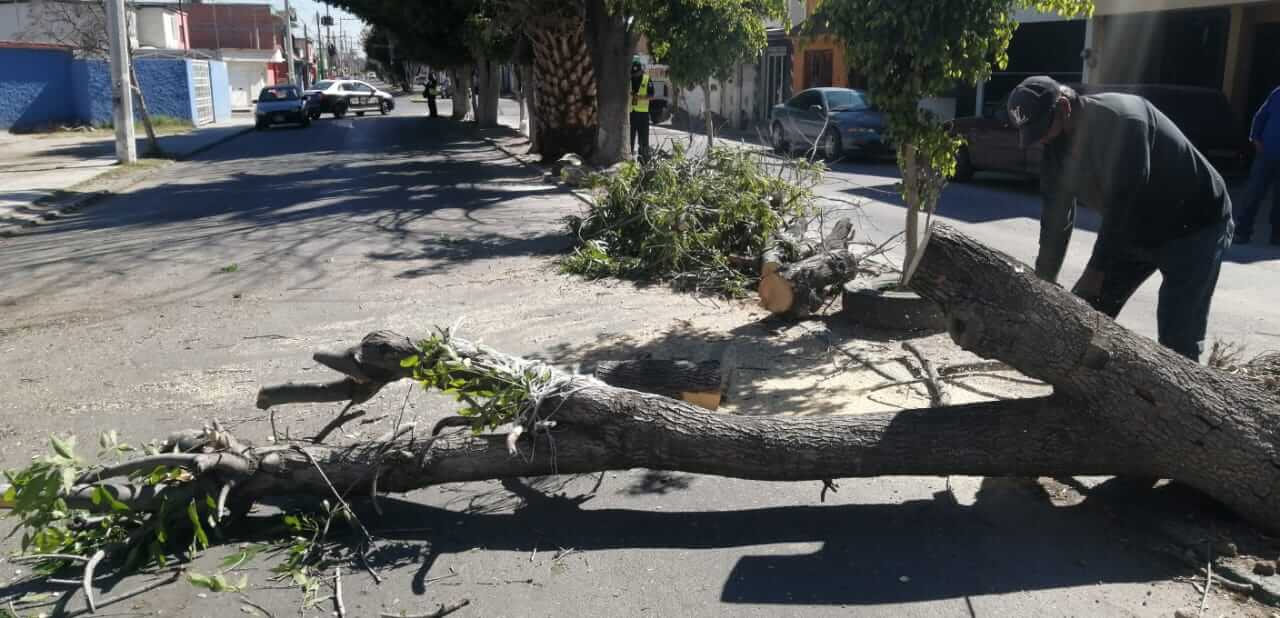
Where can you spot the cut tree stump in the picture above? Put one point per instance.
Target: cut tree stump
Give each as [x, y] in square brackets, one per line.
[1208, 429]
[798, 274]
[797, 290]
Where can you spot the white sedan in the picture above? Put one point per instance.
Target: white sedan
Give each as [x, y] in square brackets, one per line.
[339, 96]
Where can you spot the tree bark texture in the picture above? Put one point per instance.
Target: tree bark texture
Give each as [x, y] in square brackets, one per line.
[791, 246]
[490, 83]
[565, 102]
[708, 121]
[1214, 431]
[461, 92]
[796, 273]
[605, 428]
[800, 288]
[611, 46]
[696, 383]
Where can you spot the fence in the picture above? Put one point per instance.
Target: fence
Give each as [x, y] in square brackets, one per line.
[46, 86]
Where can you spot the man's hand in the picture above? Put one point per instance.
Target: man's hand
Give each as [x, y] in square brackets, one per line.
[1089, 287]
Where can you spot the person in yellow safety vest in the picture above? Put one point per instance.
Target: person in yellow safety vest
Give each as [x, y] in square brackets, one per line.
[431, 91]
[641, 94]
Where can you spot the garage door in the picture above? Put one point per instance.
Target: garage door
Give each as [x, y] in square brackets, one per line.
[202, 92]
[247, 78]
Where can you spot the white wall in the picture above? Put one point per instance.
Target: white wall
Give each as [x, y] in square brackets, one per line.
[13, 21]
[245, 80]
[151, 28]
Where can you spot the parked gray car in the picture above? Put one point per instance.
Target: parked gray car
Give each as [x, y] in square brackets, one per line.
[280, 105]
[839, 121]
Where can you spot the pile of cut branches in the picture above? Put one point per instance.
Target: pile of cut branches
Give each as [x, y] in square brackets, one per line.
[698, 221]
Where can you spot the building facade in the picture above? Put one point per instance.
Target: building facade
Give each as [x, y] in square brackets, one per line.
[249, 38]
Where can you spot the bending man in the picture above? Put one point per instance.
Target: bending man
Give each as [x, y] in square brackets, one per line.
[1163, 206]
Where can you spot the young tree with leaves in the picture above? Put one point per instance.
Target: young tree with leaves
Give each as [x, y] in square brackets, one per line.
[918, 49]
[704, 39]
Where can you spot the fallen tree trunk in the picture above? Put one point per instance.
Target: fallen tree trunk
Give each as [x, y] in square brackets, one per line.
[605, 428]
[1213, 431]
[1123, 406]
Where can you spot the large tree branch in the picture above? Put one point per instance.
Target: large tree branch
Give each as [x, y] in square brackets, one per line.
[1215, 431]
[604, 428]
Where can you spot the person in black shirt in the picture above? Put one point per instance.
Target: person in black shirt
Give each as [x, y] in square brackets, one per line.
[1163, 206]
[431, 90]
[641, 96]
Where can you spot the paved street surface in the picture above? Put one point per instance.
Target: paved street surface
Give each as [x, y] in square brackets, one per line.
[36, 166]
[170, 305]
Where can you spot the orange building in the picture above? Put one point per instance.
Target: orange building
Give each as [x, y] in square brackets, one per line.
[818, 58]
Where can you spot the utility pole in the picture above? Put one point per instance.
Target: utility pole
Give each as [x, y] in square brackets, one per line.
[322, 65]
[121, 89]
[306, 55]
[328, 22]
[288, 42]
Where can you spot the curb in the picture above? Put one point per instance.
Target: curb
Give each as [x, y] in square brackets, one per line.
[218, 142]
[52, 209]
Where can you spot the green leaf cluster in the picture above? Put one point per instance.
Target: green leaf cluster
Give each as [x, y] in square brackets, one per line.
[491, 396]
[916, 49]
[701, 39]
[685, 218]
[37, 496]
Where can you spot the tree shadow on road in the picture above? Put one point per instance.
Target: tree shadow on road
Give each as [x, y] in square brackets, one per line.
[1010, 538]
[433, 202]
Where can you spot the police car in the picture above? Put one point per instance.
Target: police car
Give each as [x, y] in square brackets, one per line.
[340, 96]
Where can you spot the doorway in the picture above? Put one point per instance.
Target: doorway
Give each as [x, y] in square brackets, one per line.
[817, 68]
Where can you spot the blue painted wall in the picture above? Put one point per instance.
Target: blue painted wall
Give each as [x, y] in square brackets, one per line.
[221, 90]
[164, 83]
[35, 88]
[91, 83]
[43, 87]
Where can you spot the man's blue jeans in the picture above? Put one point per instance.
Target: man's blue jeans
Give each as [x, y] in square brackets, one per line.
[1189, 266]
[1262, 177]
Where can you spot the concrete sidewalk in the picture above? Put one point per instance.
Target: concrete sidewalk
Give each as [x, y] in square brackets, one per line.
[37, 171]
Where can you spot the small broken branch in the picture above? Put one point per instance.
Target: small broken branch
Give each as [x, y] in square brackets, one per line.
[337, 592]
[87, 580]
[938, 395]
[440, 612]
[222, 462]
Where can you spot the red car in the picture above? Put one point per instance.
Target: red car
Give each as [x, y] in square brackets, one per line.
[1203, 114]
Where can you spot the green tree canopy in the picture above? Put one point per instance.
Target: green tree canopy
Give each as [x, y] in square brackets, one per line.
[916, 49]
[702, 39]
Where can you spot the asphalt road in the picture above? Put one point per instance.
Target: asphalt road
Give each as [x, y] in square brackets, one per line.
[168, 306]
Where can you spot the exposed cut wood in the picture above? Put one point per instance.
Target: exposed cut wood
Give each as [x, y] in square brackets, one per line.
[801, 288]
[696, 383]
[797, 274]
